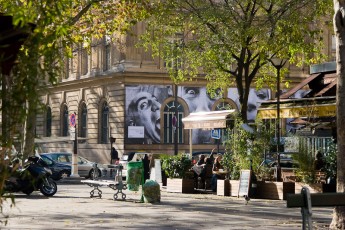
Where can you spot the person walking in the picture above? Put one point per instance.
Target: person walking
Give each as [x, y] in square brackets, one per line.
[114, 156]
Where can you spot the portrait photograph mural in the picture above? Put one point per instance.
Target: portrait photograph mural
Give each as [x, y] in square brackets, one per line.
[143, 104]
[254, 100]
[291, 125]
[198, 100]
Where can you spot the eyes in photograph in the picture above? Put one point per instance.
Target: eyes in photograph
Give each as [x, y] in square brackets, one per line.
[145, 103]
[262, 94]
[193, 92]
[251, 107]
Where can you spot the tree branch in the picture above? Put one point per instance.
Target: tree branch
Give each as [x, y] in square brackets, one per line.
[76, 18]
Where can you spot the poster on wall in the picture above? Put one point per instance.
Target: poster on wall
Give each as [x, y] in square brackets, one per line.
[136, 132]
[143, 109]
[254, 100]
[292, 126]
[198, 100]
[143, 104]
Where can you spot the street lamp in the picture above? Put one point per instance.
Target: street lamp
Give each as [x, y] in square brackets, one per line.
[175, 123]
[178, 44]
[278, 64]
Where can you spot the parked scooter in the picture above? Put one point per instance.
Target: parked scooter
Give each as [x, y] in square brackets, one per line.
[33, 176]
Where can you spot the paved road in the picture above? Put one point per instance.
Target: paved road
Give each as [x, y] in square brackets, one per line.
[72, 208]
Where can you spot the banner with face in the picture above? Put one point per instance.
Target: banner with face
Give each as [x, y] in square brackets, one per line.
[198, 100]
[143, 104]
[143, 108]
[254, 100]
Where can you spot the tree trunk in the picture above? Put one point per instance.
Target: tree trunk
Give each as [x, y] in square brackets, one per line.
[30, 124]
[338, 221]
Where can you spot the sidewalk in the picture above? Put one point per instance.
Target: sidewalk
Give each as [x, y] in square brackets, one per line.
[72, 208]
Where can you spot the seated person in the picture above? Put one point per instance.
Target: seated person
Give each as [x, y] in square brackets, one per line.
[201, 160]
[217, 167]
[198, 168]
[319, 162]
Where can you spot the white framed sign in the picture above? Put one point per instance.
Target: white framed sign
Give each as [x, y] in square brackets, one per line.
[136, 132]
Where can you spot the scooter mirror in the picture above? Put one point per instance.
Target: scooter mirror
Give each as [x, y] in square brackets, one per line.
[37, 154]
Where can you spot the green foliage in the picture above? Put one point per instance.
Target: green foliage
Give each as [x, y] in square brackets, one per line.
[176, 166]
[231, 41]
[305, 160]
[54, 29]
[331, 161]
[244, 149]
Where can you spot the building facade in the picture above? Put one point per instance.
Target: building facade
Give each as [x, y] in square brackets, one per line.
[119, 91]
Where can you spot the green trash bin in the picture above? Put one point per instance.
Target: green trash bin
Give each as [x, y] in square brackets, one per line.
[151, 192]
[135, 175]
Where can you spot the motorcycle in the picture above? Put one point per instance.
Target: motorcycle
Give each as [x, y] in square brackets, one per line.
[33, 176]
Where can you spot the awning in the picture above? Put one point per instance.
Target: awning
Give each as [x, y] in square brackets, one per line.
[300, 86]
[327, 88]
[294, 108]
[208, 120]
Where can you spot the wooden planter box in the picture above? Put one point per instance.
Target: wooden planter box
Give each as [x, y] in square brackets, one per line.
[223, 187]
[316, 188]
[329, 188]
[180, 185]
[233, 188]
[313, 188]
[274, 190]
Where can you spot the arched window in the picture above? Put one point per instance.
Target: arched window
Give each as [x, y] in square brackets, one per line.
[48, 122]
[169, 129]
[104, 123]
[83, 120]
[64, 120]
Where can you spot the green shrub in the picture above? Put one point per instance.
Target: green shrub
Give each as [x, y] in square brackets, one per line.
[331, 161]
[176, 166]
[245, 149]
[305, 171]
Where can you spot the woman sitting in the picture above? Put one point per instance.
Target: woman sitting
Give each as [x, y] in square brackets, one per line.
[217, 171]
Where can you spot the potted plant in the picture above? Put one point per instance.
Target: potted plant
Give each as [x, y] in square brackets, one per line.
[330, 168]
[247, 146]
[176, 168]
[305, 173]
[223, 186]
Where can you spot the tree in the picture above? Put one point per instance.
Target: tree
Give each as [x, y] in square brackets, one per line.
[231, 42]
[338, 221]
[59, 27]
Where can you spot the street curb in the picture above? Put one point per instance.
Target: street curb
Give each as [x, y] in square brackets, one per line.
[70, 180]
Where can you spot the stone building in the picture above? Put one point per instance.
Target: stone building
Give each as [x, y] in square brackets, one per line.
[117, 90]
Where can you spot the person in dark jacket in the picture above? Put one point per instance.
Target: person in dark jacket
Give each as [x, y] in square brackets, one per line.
[114, 155]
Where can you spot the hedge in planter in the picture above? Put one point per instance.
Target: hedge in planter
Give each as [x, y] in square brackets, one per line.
[179, 179]
[176, 166]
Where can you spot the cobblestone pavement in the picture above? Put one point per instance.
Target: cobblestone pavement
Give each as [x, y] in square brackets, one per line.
[72, 208]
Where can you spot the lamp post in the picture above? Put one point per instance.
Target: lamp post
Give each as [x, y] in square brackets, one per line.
[278, 64]
[73, 124]
[177, 64]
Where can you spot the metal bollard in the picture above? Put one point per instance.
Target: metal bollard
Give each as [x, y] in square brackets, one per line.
[95, 171]
[306, 209]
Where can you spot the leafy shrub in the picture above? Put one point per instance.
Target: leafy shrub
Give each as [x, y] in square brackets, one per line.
[245, 150]
[331, 161]
[305, 171]
[176, 166]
